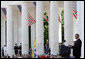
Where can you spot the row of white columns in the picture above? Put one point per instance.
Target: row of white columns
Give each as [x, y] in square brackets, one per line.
[24, 29]
[53, 28]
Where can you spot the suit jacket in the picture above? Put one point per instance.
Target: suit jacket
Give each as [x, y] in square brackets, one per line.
[77, 48]
[16, 48]
[20, 47]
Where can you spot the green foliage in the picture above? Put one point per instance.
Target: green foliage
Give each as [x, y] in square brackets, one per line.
[62, 22]
[45, 29]
[62, 17]
[46, 38]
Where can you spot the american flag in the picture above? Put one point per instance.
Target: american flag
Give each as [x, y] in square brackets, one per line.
[30, 18]
[5, 12]
[75, 9]
[59, 19]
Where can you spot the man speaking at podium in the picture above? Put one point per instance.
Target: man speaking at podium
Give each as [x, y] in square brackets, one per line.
[77, 47]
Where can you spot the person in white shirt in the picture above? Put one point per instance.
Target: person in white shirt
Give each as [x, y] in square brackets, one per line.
[5, 50]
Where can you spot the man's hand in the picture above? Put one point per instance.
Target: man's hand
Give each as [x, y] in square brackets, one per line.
[70, 46]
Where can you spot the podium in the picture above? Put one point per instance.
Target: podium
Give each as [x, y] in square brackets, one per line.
[64, 51]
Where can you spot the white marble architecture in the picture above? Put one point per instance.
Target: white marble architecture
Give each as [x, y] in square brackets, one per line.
[82, 28]
[10, 39]
[24, 29]
[68, 22]
[17, 25]
[77, 22]
[33, 27]
[60, 25]
[39, 28]
[53, 30]
[2, 30]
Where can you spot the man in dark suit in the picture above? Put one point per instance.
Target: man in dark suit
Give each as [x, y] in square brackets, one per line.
[20, 49]
[77, 47]
[16, 49]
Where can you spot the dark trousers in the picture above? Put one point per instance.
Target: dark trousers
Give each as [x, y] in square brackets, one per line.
[2, 53]
[16, 52]
[77, 56]
[20, 52]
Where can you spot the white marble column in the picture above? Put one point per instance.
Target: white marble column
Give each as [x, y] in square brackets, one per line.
[68, 22]
[60, 32]
[53, 28]
[33, 34]
[33, 26]
[19, 26]
[24, 29]
[60, 26]
[77, 22]
[16, 40]
[82, 27]
[39, 28]
[10, 41]
[2, 30]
